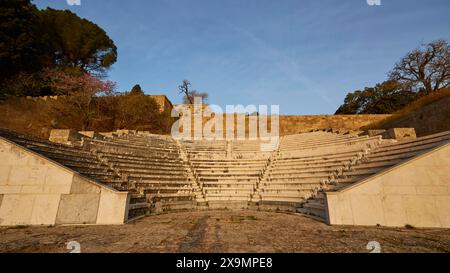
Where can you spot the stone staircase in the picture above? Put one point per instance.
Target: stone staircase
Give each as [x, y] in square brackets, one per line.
[162, 174]
[154, 167]
[302, 165]
[375, 161]
[85, 163]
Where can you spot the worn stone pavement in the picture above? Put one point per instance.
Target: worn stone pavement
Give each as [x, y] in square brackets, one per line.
[223, 231]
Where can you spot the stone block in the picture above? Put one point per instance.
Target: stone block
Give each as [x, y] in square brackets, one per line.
[32, 189]
[59, 177]
[27, 175]
[400, 133]
[106, 134]
[112, 208]
[16, 209]
[443, 205]
[4, 175]
[89, 134]
[394, 210]
[421, 211]
[8, 189]
[367, 209]
[64, 136]
[80, 186]
[78, 209]
[372, 133]
[45, 209]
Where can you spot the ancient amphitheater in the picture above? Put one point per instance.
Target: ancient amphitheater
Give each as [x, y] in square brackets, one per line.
[343, 178]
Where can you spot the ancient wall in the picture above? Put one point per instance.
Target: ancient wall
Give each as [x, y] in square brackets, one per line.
[37, 191]
[289, 125]
[296, 124]
[430, 119]
[165, 106]
[415, 193]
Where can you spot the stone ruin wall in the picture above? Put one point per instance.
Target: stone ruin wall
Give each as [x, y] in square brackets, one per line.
[289, 125]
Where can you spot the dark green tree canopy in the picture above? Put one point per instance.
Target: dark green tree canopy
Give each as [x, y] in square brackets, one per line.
[77, 42]
[20, 48]
[33, 42]
[384, 98]
[136, 90]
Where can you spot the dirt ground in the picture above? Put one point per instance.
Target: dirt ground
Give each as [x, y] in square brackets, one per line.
[223, 231]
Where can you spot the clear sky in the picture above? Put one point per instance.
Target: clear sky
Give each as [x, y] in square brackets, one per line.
[304, 55]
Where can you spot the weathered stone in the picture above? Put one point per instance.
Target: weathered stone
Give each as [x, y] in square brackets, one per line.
[78, 209]
[64, 136]
[400, 134]
[376, 132]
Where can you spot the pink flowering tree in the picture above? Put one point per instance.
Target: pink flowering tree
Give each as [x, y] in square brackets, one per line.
[80, 91]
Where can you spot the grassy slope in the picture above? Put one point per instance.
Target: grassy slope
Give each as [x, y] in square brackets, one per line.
[410, 109]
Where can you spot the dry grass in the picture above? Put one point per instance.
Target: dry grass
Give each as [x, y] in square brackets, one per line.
[414, 106]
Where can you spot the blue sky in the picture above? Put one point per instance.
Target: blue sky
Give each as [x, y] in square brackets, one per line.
[304, 55]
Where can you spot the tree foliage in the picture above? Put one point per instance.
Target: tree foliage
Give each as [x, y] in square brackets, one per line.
[76, 42]
[426, 68]
[137, 111]
[79, 93]
[20, 46]
[136, 90]
[34, 41]
[422, 71]
[384, 98]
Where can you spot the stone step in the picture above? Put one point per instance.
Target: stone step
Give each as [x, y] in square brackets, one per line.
[287, 190]
[301, 173]
[283, 198]
[110, 144]
[227, 191]
[229, 162]
[227, 179]
[140, 158]
[313, 161]
[150, 177]
[53, 153]
[345, 181]
[306, 167]
[281, 186]
[219, 175]
[393, 157]
[226, 185]
[310, 177]
[148, 166]
[443, 136]
[156, 184]
[145, 171]
[336, 144]
[376, 164]
[167, 197]
[168, 190]
[224, 197]
[312, 204]
[393, 151]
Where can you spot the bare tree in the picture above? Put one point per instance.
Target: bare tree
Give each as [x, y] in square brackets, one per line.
[189, 95]
[427, 67]
[184, 89]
